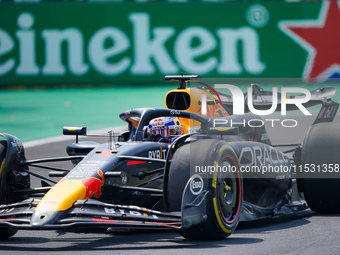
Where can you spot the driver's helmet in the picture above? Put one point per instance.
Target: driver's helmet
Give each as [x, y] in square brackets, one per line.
[166, 126]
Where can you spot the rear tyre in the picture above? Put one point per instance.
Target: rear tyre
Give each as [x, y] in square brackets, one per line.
[224, 200]
[321, 151]
[4, 232]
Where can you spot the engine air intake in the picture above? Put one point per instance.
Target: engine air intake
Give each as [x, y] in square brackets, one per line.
[178, 100]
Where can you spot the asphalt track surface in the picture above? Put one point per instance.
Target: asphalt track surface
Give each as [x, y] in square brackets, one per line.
[308, 233]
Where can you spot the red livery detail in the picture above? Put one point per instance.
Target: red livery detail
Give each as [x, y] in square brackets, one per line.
[93, 185]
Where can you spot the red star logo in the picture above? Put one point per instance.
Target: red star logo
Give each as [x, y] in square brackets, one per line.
[321, 39]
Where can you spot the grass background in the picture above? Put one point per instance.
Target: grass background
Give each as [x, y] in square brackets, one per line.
[32, 114]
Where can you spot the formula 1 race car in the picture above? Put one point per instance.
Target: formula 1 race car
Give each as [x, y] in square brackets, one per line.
[201, 182]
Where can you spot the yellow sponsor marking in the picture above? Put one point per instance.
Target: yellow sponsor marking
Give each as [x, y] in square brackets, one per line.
[225, 185]
[214, 180]
[222, 128]
[222, 148]
[144, 209]
[62, 196]
[219, 218]
[212, 97]
[2, 166]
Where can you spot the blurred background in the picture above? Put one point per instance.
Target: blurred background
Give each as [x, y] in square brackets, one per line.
[81, 63]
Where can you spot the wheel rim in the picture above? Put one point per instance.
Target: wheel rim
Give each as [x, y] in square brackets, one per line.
[229, 191]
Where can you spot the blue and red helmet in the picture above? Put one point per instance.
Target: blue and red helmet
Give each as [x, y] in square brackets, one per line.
[166, 126]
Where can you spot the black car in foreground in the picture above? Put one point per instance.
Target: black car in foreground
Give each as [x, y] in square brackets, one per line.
[202, 182]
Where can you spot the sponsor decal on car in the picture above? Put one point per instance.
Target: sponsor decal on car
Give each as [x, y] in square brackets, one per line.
[157, 154]
[196, 184]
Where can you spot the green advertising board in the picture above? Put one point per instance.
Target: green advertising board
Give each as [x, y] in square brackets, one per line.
[108, 42]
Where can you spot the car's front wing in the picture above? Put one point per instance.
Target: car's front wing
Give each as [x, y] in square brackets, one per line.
[89, 213]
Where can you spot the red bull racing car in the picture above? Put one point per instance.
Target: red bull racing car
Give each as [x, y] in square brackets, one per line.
[201, 179]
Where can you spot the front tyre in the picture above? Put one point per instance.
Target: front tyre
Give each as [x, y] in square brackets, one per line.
[4, 232]
[225, 186]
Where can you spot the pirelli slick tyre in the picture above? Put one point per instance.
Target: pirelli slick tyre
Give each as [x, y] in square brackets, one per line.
[319, 172]
[179, 175]
[225, 196]
[4, 232]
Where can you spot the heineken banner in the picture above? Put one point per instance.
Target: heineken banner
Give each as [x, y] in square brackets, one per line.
[108, 42]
